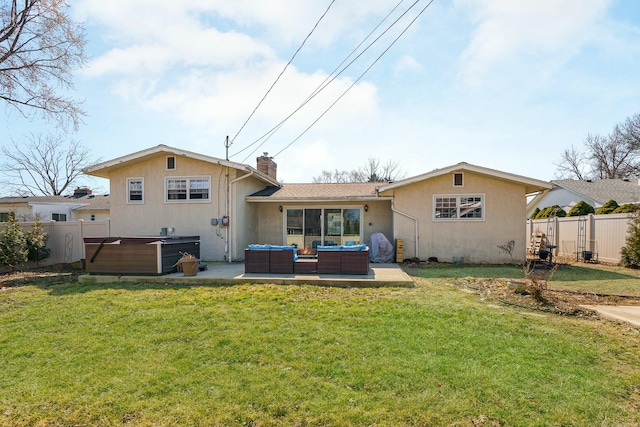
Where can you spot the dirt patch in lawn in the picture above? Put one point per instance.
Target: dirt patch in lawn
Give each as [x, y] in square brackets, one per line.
[51, 275]
[556, 301]
[521, 292]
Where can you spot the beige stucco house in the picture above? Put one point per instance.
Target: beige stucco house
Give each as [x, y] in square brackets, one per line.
[166, 189]
[462, 211]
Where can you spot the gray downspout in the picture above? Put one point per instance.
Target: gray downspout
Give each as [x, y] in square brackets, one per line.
[232, 221]
[415, 224]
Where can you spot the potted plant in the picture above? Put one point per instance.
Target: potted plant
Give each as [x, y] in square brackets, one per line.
[188, 263]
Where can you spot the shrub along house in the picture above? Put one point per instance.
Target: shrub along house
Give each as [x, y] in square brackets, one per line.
[462, 211]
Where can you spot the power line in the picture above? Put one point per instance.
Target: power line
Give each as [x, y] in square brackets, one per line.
[356, 81]
[282, 72]
[331, 77]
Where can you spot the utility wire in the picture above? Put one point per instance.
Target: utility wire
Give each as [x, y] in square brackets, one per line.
[331, 77]
[356, 81]
[282, 72]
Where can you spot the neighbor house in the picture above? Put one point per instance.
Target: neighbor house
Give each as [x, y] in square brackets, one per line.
[83, 204]
[461, 211]
[567, 192]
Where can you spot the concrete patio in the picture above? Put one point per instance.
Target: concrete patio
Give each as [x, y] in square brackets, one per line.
[233, 274]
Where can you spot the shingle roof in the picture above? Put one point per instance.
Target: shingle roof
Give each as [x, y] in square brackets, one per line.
[95, 203]
[603, 190]
[317, 191]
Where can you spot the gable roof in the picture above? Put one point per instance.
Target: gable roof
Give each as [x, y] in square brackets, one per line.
[531, 185]
[103, 169]
[603, 190]
[362, 191]
[354, 191]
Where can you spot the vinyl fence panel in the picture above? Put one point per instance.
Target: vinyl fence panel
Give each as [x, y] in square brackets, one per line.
[604, 235]
[65, 239]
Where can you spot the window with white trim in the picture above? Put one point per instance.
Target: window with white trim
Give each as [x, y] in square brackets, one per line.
[135, 190]
[59, 217]
[468, 207]
[188, 189]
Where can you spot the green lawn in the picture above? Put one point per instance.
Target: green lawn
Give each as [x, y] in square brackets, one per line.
[599, 278]
[262, 355]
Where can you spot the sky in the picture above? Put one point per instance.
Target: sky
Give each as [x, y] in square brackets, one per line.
[503, 84]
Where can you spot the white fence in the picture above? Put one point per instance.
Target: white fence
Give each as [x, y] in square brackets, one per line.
[66, 238]
[603, 235]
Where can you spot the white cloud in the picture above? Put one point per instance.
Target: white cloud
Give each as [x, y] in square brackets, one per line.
[545, 30]
[182, 61]
[408, 64]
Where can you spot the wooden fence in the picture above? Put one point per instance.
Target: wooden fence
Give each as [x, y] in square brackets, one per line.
[602, 235]
[66, 239]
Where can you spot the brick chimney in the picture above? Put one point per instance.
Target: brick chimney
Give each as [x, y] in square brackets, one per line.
[267, 166]
[81, 192]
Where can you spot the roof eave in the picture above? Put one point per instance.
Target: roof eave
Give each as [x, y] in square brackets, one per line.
[260, 199]
[531, 185]
[103, 170]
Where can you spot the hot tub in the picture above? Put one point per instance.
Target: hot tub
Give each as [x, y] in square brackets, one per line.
[137, 255]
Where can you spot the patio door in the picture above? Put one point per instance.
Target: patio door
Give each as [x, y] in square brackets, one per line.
[308, 228]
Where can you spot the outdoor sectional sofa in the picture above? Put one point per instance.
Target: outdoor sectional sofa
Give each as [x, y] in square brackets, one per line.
[274, 259]
[269, 259]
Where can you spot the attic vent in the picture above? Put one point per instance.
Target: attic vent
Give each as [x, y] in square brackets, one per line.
[458, 180]
[171, 163]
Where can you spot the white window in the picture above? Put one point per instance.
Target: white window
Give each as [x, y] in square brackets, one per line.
[59, 217]
[135, 190]
[466, 207]
[188, 189]
[458, 179]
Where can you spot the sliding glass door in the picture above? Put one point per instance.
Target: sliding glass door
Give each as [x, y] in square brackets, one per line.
[308, 228]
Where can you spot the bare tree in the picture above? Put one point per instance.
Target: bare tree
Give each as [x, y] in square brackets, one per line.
[571, 165]
[40, 46]
[371, 172]
[43, 165]
[389, 171]
[610, 156]
[616, 155]
[338, 176]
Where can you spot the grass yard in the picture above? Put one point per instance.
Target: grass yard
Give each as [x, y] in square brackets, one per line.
[584, 277]
[266, 355]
